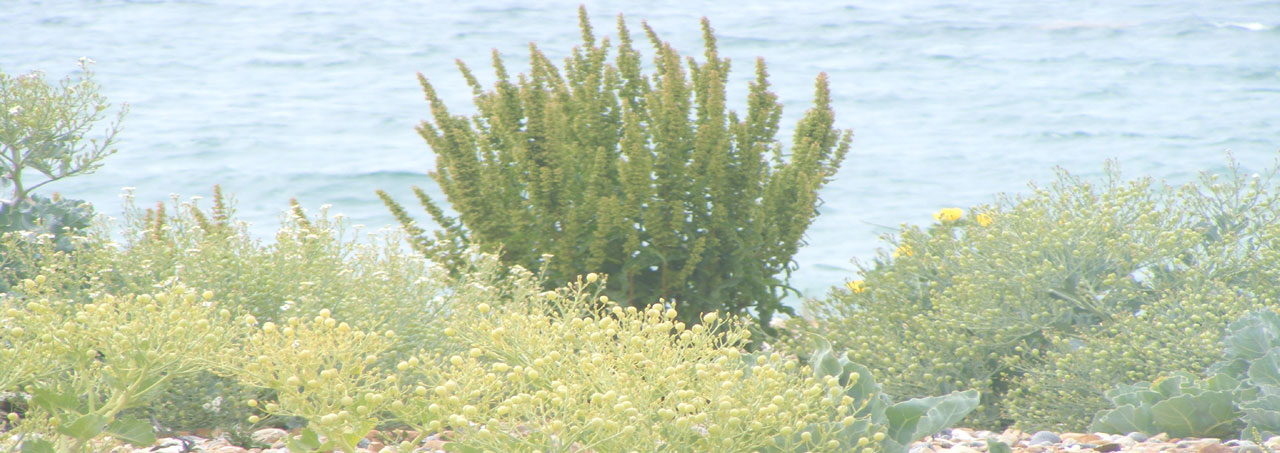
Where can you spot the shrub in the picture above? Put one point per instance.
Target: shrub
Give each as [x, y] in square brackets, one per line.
[573, 370]
[89, 361]
[321, 370]
[42, 131]
[314, 263]
[1044, 302]
[1240, 398]
[644, 177]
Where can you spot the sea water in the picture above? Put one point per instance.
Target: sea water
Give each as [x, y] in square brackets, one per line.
[951, 102]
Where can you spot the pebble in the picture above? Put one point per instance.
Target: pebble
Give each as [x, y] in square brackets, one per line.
[1044, 438]
[1040, 442]
[270, 436]
[957, 440]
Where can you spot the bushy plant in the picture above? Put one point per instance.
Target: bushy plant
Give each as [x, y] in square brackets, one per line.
[1240, 398]
[84, 363]
[315, 262]
[42, 133]
[573, 370]
[1045, 302]
[321, 370]
[43, 128]
[597, 167]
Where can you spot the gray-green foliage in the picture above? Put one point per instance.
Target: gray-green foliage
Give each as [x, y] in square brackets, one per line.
[1241, 397]
[645, 177]
[1180, 405]
[1046, 301]
[902, 423]
[61, 219]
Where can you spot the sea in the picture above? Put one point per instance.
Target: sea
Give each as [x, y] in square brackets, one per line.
[951, 102]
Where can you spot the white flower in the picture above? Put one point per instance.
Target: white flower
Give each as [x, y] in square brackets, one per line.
[15, 110]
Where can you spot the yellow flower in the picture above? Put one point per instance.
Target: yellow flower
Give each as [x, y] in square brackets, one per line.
[984, 219]
[903, 250]
[948, 215]
[856, 286]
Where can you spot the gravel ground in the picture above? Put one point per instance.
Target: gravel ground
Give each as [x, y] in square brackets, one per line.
[957, 440]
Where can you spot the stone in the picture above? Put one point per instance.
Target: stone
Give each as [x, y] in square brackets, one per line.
[961, 435]
[228, 449]
[1010, 436]
[1137, 436]
[1044, 438]
[1082, 438]
[922, 448]
[1109, 447]
[959, 449]
[1123, 441]
[270, 436]
[1215, 448]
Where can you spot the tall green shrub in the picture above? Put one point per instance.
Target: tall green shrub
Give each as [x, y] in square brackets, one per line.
[646, 177]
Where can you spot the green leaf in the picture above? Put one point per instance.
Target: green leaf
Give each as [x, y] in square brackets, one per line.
[55, 402]
[1123, 419]
[916, 418]
[133, 431]
[1263, 415]
[1209, 414]
[823, 362]
[996, 446]
[37, 446]
[84, 427]
[1169, 386]
[1265, 371]
[1134, 395]
[309, 441]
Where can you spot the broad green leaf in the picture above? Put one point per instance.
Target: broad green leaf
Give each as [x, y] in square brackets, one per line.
[1123, 419]
[1263, 415]
[53, 402]
[1209, 414]
[37, 446]
[916, 418]
[1169, 386]
[133, 431]
[309, 441]
[824, 363]
[84, 427]
[1265, 371]
[1134, 395]
[1220, 383]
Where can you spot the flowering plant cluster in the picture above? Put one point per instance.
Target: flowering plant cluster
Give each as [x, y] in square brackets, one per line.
[1046, 302]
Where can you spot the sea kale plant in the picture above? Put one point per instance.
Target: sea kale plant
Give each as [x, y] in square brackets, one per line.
[1045, 302]
[43, 129]
[84, 364]
[573, 370]
[598, 167]
[42, 135]
[1239, 398]
[314, 263]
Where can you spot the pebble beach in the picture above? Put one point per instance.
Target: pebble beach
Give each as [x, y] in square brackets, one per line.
[955, 440]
